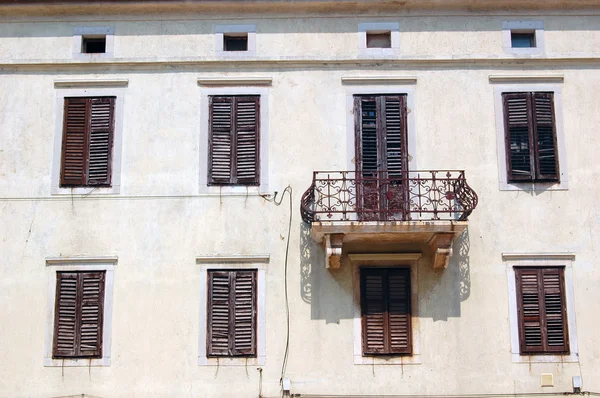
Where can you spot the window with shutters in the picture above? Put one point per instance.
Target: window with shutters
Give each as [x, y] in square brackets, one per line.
[87, 142]
[231, 313]
[530, 136]
[386, 311]
[78, 316]
[541, 307]
[234, 140]
[542, 310]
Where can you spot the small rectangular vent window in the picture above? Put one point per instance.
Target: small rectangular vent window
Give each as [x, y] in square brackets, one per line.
[522, 39]
[379, 39]
[235, 42]
[93, 45]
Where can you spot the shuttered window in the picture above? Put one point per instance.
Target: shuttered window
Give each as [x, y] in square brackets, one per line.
[386, 311]
[78, 315]
[381, 134]
[231, 313]
[88, 129]
[530, 128]
[234, 136]
[542, 311]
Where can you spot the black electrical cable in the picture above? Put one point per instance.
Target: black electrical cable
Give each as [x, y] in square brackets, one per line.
[287, 189]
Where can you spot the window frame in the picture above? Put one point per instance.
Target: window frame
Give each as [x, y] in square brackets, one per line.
[90, 89]
[233, 262]
[93, 31]
[378, 27]
[385, 260]
[79, 264]
[520, 84]
[542, 260]
[203, 186]
[535, 27]
[221, 30]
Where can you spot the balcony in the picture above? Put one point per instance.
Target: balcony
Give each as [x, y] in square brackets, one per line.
[416, 206]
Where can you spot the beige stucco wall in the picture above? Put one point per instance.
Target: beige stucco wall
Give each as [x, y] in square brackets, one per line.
[160, 222]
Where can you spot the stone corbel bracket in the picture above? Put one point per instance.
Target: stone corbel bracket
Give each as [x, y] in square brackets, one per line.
[333, 250]
[441, 245]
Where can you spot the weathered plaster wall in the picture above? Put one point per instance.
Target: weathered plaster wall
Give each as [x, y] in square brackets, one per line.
[159, 222]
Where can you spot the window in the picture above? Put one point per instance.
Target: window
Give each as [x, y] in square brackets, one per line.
[234, 140]
[78, 315]
[235, 42]
[93, 45]
[87, 142]
[542, 310]
[379, 39]
[231, 313]
[541, 307]
[523, 38]
[531, 144]
[93, 42]
[386, 311]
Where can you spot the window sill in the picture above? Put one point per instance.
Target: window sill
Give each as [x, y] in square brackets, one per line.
[414, 359]
[571, 358]
[232, 189]
[228, 361]
[534, 186]
[115, 189]
[79, 362]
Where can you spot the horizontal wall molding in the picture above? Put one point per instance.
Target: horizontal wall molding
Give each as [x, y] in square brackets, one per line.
[68, 83]
[233, 258]
[235, 81]
[75, 260]
[379, 80]
[527, 78]
[538, 256]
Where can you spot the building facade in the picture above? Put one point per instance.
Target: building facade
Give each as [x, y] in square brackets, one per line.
[308, 198]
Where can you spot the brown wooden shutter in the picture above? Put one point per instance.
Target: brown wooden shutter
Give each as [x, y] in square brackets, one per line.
[74, 145]
[394, 135]
[545, 137]
[244, 313]
[386, 311]
[88, 129]
[234, 139]
[232, 313]
[541, 310]
[79, 315]
[101, 131]
[247, 140]
[518, 122]
[365, 112]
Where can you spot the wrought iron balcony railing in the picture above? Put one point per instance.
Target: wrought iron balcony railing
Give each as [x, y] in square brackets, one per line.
[380, 196]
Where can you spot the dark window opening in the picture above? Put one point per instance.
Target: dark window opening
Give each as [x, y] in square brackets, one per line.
[522, 39]
[235, 42]
[379, 39]
[93, 45]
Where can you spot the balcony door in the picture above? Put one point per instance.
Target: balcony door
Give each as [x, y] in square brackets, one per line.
[381, 157]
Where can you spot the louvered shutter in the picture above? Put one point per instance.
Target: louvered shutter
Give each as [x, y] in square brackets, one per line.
[247, 140]
[74, 145]
[231, 313]
[79, 315]
[367, 154]
[519, 143]
[545, 137]
[394, 135]
[386, 311]
[88, 129]
[101, 128]
[541, 311]
[219, 318]
[244, 313]
[234, 140]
